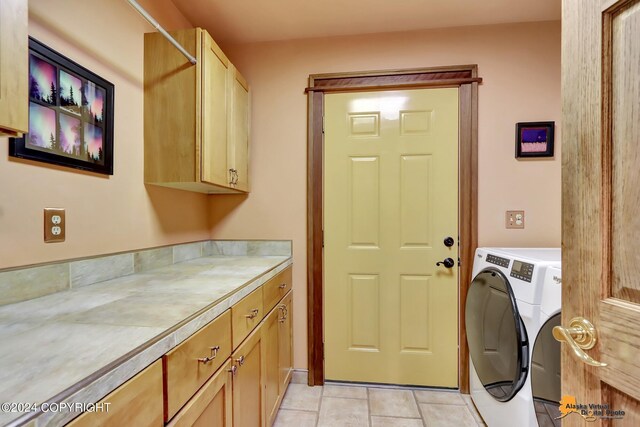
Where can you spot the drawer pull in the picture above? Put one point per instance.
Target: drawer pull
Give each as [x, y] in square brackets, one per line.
[214, 353]
[233, 369]
[240, 360]
[284, 285]
[253, 314]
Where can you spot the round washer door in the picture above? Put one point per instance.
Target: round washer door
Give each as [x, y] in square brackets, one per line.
[497, 338]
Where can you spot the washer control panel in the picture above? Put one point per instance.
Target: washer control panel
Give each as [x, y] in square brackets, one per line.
[502, 262]
[522, 270]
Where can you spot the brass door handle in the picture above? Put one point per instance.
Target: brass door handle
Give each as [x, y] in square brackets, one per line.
[580, 335]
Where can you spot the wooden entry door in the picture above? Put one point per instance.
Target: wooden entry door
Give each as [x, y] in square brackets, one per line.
[391, 199]
[601, 202]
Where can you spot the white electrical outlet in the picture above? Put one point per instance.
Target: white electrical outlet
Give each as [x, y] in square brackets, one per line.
[54, 225]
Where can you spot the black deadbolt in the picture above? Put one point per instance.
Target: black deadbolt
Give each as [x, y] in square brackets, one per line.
[448, 241]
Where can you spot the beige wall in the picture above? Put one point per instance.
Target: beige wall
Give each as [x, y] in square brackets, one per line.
[520, 65]
[104, 214]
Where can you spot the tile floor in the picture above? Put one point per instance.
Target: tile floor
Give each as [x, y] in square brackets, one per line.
[337, 405]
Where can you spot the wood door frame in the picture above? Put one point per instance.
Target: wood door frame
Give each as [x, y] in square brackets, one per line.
[464, 77]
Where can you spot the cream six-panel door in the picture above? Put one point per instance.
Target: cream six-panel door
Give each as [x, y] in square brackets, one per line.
[390, 199]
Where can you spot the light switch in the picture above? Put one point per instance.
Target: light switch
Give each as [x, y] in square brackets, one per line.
[514, 219]
[54, 225]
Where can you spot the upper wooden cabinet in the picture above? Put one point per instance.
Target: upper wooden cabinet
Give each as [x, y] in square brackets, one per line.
[14, 60]
[196, 128]
[238, 157]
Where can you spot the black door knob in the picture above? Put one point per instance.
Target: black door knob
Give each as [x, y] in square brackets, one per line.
[448, 241]
[447, 262]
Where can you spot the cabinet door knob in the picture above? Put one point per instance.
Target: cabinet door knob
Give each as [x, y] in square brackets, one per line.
[233, 369]
[240, 360]
[282, 286]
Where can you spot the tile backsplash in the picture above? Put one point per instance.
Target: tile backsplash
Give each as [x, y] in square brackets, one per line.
[26, 283]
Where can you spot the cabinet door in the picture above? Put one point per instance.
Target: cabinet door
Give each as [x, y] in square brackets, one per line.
[212, 404]
[247, 382]
[14, 95]
[285, 341]
[239, 123]
[271, 378]
[215, 75]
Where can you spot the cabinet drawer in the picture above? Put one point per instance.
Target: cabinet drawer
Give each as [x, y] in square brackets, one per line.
[276, 288]
[246, 314]
[188, 366]
[138, 402]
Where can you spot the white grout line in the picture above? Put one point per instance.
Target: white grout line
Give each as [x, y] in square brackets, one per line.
[319, 407]
[369, 408]
[422, 417]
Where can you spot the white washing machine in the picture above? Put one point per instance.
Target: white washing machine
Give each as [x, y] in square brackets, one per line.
[505, 321]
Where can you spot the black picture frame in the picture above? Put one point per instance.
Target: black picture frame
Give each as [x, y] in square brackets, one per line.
[534, 139]
[64, 129]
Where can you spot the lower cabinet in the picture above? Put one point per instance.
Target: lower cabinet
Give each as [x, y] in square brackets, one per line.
[188, 366]
[271, 378]
[211, 405]
[285, 342]
[246, 391]
[247, 382]
[207, 380]
[138, 402]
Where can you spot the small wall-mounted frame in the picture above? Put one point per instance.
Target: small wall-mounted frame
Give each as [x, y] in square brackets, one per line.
[70, 114]
[534, 139]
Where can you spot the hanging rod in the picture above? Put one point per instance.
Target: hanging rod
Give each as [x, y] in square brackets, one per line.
[162, 31]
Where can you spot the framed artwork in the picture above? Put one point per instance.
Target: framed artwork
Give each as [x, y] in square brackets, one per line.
[534, 139]
[70, 114]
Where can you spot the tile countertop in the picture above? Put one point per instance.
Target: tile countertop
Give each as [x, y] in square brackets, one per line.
[81, 344]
